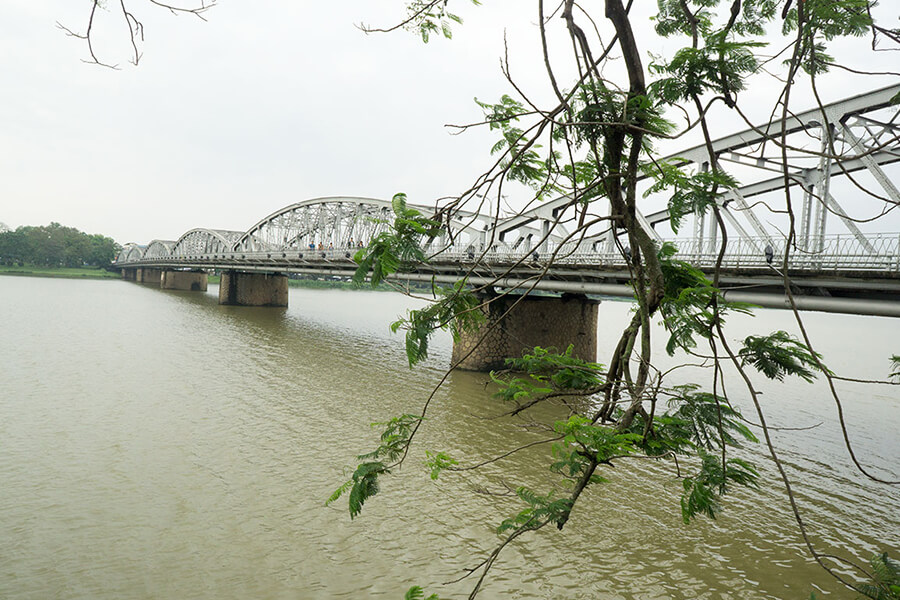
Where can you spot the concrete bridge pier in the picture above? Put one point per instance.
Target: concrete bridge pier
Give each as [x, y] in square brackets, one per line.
[253, 289]
[145, 275]
[535, 321]
[129, 274]
[188, 281]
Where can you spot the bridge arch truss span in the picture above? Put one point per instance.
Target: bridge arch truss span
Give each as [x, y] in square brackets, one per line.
[203, 242]
[338, 222]
[159, 249]
[131, 252]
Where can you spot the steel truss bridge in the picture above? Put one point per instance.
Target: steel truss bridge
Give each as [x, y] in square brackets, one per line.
[836, 158]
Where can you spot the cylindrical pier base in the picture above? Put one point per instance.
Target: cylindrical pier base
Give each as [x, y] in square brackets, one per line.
[253, 289]
[535, 321]
[190, 281]
[145, 275]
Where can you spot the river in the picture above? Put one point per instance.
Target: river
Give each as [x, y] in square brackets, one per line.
[158, 445]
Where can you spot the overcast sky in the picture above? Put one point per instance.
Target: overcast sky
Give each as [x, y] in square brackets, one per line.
[266, 104]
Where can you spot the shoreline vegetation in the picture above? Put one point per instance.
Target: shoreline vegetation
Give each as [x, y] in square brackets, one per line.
[59, 272]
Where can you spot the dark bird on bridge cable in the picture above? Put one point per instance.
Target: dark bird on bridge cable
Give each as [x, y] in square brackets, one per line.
[770, 253]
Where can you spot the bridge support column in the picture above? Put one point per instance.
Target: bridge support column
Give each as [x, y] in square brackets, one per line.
[129, 274]
[535, 321]
[189, 281]
[253, 289]
[145, 275]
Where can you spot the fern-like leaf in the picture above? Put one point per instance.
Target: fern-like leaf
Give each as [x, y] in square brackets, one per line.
[778, 355]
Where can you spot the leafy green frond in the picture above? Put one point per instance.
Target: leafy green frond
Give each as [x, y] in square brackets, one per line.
[339, 492]
[719, 66]
[778, 355]
[824, 21]
[432, 17]
[517, 388]
[437, 462]
[885, 579]
[499, 115]
[691, 305]
[895, 366]
[702, 412]
[394, 436]
[541, 509]
[691, 193]
[671, 19]
[397, 248]
[547, 371]
[457, 309]
[417, 593]
[702, 492]
[597, 442]
[694, 420]
[563, 371]
[363, 484]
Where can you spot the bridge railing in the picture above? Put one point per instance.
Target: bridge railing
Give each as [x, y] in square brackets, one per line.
[843, 252]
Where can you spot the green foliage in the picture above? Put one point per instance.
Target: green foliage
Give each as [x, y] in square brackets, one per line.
[753, 17]
[703, 491]
[547, 371]
[541, 510]
[363, 484]
[428, 17]
[694, 420]
[397, 248]
[594, 113]
[583, 176]
[698, 420]
[710, 421]
[691, 306]
[601, 442]
[500, 115]
[895, 365]
[886, 579]
[598, 112]
[416, 593]
[56, 246]
[691, 193]
[457, 309]
[518, 388]
[394, 437]
[720, 66]
[778, 355]
[437, 462]
[820, 21]
[716, 62]
[584, 442]
[563, 371]
[522, 162]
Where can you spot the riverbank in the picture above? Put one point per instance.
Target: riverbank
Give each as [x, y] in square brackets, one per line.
[59, 272]
[97, 273]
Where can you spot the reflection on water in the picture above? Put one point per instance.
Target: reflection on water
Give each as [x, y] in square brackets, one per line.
[157, 445]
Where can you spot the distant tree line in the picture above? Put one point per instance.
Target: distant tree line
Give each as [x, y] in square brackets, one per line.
[55, 246]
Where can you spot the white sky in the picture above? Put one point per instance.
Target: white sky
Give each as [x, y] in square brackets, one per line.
[266, 104]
